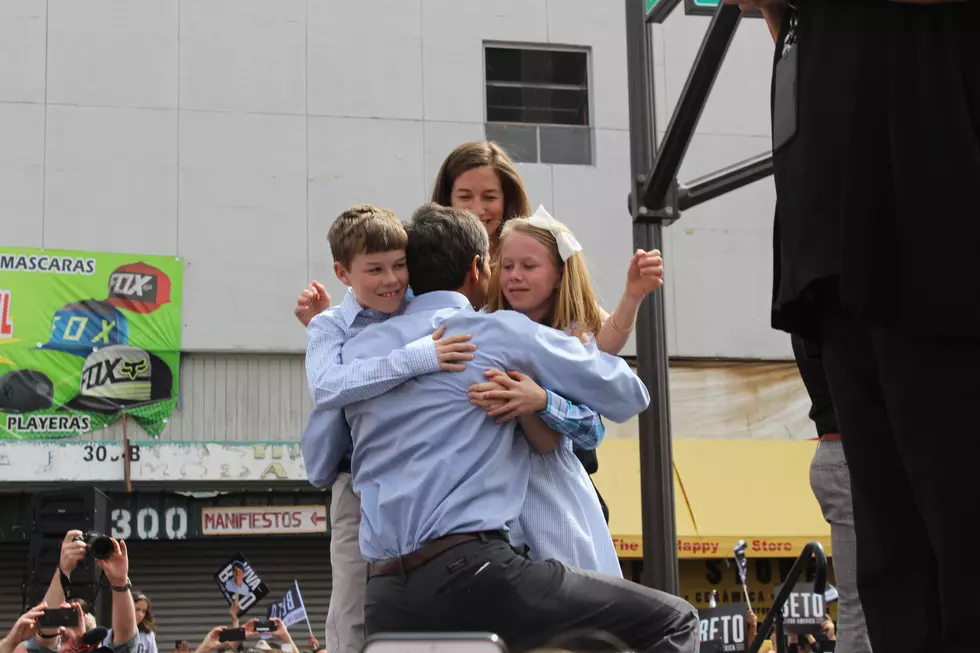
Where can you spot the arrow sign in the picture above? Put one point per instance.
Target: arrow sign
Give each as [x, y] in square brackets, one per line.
[263, 520]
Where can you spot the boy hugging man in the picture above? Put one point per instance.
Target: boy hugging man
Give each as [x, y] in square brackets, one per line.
[368, 248]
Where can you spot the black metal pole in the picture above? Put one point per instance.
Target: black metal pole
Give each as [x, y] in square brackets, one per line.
[689, 106]
[656, 458]
[661, 10]
[715, 184]
[780, 632]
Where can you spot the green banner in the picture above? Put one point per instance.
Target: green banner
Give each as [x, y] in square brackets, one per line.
[86, 337]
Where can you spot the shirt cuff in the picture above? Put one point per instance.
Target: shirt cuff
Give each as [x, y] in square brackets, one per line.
[555, 411]
[422, 355]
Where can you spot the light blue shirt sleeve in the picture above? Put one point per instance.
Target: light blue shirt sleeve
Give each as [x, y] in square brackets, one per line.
[334, 384]
[580, 424]
[577, 371]
[326, 441]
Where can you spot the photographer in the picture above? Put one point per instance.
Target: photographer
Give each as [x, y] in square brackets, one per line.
[23, 629]
[66, 639]
[282, 634]
[212, 642]
[115, 568]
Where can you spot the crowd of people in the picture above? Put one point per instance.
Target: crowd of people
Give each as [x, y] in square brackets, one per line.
[133, 624]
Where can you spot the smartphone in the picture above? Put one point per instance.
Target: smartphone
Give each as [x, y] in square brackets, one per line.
[265, 626]
[435, 643]
[232, 635]
[56, 617]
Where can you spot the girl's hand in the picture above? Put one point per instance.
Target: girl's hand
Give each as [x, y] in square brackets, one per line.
[520, 395]
[645, 274]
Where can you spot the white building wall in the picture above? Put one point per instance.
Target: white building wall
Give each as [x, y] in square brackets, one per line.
[231, 132]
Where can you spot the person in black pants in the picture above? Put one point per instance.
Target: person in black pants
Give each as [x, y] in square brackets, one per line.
[876, 137]
[831, 484]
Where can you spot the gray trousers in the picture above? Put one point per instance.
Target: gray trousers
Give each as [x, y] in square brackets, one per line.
[831, 484]
[345, 616]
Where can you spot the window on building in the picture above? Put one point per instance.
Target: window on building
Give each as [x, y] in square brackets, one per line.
[538, 103]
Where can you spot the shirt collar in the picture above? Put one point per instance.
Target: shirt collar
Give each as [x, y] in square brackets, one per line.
[350, 308]
[437, 299]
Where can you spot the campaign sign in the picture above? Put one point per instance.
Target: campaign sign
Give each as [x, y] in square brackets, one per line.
[237, 579]
[290, 609]
[804, 612]
[723, 629]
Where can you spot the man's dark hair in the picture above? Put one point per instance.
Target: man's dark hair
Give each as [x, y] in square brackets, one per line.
[238, 565]
[442, 242]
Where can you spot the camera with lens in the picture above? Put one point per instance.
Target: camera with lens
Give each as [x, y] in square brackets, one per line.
[99, 545]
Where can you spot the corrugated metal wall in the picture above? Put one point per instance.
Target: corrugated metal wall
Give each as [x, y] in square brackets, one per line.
[234, 397]
[13, 560]
[178, 576]
[264, 397]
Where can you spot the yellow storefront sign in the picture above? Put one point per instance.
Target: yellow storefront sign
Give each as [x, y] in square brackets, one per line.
[724, 491]
[632, 547]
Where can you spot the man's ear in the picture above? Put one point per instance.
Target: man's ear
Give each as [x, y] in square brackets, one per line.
[341, 273]
[476, 268]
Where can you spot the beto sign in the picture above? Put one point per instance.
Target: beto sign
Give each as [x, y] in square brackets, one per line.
[723, 628]
[804, 611]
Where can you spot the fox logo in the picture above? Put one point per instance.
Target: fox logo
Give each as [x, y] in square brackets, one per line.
[133, 369]
[133, 285]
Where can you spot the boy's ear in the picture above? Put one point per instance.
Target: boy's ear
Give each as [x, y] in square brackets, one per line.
[341, 273]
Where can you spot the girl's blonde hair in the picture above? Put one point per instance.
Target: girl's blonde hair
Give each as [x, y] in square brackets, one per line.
[576, 308]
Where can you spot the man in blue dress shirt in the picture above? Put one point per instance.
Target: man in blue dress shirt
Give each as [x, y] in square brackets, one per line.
[439, 480]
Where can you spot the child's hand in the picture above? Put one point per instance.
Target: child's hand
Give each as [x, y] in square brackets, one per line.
[311, 302]
[452, 350]
[512, 395]
[645, 273]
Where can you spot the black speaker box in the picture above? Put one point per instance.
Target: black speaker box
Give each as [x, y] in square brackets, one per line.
[52, 515]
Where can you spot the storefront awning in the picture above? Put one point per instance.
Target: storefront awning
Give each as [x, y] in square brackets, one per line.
[724, 491]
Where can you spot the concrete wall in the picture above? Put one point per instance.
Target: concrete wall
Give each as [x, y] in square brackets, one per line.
[231, 132]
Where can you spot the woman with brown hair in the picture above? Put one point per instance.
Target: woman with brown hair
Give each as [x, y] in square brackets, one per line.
[146, 625]
[480, 177]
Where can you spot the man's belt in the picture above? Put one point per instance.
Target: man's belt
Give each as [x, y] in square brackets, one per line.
[428, 551]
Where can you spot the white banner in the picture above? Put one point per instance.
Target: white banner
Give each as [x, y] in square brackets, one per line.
[263, 520]
[93, 461]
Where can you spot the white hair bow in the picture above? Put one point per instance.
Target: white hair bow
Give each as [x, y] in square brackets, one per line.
[567, 245]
